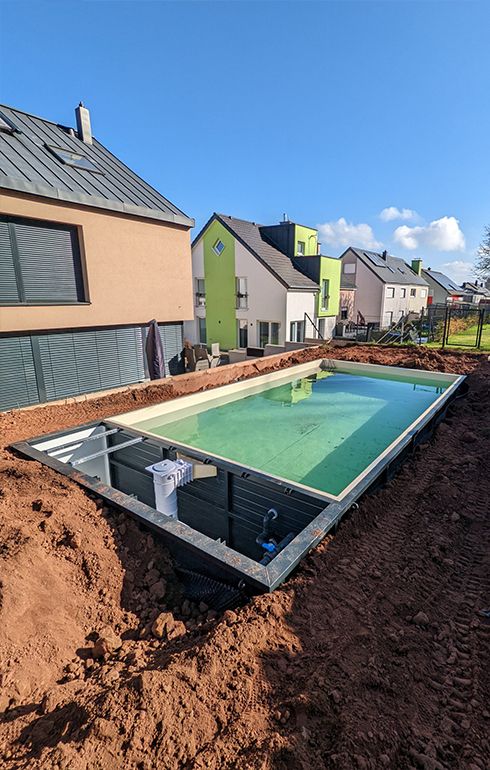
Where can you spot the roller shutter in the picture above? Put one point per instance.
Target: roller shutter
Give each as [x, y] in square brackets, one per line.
[40, 262]
[18, 386]
[8, 282]
[173, 342]
[84, 361]
[46, 367]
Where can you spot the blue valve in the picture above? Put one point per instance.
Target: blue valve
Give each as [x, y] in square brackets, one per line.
[270, 547]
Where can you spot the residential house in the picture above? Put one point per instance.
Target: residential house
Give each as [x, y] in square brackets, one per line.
[260, 285]
[347, 298]
[475, 292]
[89, 254]
[441, 288]
[386, 287]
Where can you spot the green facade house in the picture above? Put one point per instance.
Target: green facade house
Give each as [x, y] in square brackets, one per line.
[257, 286]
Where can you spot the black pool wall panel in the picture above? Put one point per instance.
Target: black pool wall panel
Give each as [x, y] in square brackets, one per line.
[127, 467]
[252, 497]
[224, 507]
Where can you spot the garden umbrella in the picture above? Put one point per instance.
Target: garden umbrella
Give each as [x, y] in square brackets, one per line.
[154, 352]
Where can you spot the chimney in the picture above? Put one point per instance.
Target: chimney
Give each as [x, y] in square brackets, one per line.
[83, 124]
[384, 255]
[417, 266]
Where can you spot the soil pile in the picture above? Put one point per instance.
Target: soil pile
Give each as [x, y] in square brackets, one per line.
[373, 655]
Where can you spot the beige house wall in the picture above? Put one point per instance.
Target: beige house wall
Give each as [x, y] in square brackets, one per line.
[136, 269]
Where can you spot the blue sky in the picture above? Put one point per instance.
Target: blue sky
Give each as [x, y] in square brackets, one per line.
[331, 112]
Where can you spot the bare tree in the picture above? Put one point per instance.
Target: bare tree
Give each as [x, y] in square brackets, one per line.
[482, 265]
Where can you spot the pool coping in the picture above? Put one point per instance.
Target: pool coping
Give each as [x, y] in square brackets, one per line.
[260, 577]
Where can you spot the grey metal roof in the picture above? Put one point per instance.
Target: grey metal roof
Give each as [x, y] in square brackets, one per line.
[389, 270]
[475, 288]
[248, 233]
[450, 286]
[28, 166]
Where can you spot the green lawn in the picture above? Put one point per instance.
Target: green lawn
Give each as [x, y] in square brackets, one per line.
[466, 338]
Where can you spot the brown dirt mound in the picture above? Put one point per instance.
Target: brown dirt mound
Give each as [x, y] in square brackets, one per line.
[372, 656]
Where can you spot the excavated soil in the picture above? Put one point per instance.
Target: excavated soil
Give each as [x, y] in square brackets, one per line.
[374, 655]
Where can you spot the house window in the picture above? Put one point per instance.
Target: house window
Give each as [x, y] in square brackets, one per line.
[74, 159]
[403, 293]
[201, 323]
[40, 263]
[300, 248]
[241, 293]
[413, 292]
[218, 247]
[390, 292]
[325, 294]
[200, 292]
[349, 267]
[423, 293]
[268, 333]
[297, 331]
[242, 333]
[387, 319]
[344, 313]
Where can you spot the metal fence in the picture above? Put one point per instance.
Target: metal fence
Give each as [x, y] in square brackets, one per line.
[456, 325]
[449, 325]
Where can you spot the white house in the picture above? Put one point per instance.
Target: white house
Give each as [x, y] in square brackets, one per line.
[386, 287]
[257, 285]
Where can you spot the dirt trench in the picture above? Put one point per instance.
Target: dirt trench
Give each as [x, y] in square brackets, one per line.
[373, 655]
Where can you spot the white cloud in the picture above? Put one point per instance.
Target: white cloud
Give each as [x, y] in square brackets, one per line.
[458, 270]
[391, 212]
[442, 234]
[343, 233]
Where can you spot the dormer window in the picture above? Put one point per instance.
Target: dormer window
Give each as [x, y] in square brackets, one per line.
[300, 248]
[218, 247]
[75, 159]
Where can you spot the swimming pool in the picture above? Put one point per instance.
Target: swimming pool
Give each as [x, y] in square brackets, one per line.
[320, 431]
[305, 442]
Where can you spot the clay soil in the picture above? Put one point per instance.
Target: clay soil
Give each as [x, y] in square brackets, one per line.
[373, 655]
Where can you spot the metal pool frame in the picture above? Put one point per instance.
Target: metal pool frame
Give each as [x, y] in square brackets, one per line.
[215, 556]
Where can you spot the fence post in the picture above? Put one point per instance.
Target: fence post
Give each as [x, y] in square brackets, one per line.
[445, 334]
[479, 332]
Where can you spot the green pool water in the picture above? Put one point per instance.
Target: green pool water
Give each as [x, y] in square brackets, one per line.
[321, 431]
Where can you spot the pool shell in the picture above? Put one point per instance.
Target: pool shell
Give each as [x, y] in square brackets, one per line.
[206, 553]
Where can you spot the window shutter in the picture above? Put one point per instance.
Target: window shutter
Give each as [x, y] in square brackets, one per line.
[85, 361]
[173, 342]
[50, 262]
[59, 365]
[8, 282]
[18, 386]
[130, 355]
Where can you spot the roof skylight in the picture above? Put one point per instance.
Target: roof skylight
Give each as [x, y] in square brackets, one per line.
[74, 159]
[375, 258]
[7, 125]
